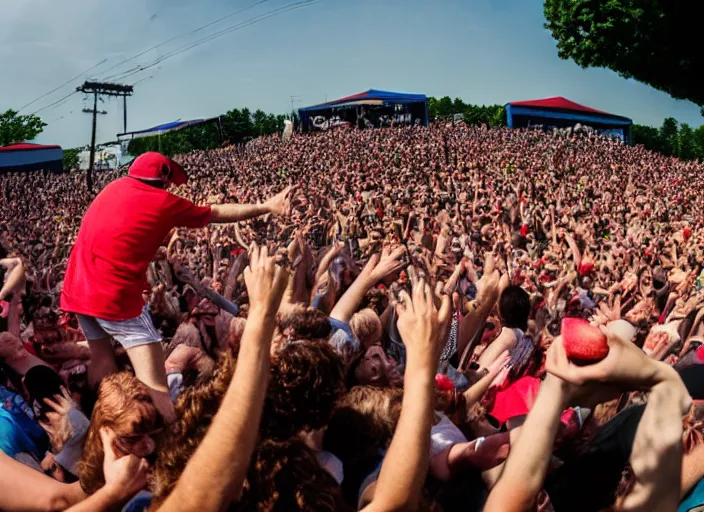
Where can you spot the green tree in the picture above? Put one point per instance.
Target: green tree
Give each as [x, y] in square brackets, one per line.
[19, 128]
[668, 136]
[71, 159]
[649, 137]
[699, 142]
[652, 41]
[686, 144]
[442, 107]
[237, 125]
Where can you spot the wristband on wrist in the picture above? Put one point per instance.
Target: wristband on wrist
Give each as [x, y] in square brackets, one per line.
[478, 443]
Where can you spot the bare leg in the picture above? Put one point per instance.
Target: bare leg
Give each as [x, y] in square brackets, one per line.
[102, 361]
[148, 363]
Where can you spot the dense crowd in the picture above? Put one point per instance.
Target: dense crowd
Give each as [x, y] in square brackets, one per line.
[383, 330]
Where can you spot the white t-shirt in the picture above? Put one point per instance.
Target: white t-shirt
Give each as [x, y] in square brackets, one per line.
[444, 435]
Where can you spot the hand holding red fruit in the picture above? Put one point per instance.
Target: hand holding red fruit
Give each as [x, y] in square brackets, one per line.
[625, 366]
[582, 341]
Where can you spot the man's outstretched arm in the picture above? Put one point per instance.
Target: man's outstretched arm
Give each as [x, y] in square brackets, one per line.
[224, 213]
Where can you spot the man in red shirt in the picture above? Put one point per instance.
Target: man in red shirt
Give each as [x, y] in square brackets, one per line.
[106, 274]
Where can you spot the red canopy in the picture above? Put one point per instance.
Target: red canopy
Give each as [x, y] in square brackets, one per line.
[21, 146]
[557, 102]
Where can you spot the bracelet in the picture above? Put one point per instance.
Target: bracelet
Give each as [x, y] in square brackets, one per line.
[478, 443]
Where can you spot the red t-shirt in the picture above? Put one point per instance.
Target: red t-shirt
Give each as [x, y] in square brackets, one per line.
[120, 233]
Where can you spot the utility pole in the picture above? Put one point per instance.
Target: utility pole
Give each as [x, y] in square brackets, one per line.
[294, 99]
[95, 112]
[102, 89]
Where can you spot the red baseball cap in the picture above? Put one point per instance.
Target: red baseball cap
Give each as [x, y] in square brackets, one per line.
[155, 166]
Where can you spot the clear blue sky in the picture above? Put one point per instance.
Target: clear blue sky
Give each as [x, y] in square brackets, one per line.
[484, 51]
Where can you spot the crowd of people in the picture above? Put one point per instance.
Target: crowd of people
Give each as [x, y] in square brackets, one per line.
[356, 319]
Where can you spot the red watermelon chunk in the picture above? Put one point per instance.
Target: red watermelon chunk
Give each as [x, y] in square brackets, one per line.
[443, 382]
[583, 341]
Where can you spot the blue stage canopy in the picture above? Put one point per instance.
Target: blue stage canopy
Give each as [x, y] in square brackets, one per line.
[370, 98]
[165, 128]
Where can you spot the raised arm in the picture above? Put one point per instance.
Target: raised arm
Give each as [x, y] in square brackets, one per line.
[214, 476]
[528, 462]
[28, 490]
[278, 205]
[477, 390]
[374, 271]
[656, 458]
[15, 276]
[487, 295]
[124, 477]
[406, 463]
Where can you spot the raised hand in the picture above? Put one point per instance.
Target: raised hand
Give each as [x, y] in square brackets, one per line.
[125, 476]
[280, 204]
[185, 358]
[266, 281]
[419, 326]
[58, 426]
[625, 365]
[386, 264]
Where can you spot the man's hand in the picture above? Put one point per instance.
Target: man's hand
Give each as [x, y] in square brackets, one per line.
[389, 262]
[280, 204]
[419, 327]
[185, 358]
[625, 366]
[266, 281]
[58, 426]
[124, 476]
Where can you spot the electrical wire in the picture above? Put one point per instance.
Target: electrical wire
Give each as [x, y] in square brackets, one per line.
[186, 34]
[63, 84]
[252, 21]
[56, 103]
[142, 80]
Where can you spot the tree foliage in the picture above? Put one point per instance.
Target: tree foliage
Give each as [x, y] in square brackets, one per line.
[491, 115]
[237, 126]
[19, 128]
[71, 158]
[672, 139]
[652, 41]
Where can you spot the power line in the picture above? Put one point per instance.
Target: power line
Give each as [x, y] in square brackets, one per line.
[252, 21]
[62, 85]
[186, 34]
[56, 103]
[141, 80]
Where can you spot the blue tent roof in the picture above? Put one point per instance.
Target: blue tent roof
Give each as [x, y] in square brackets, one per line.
[166, 127]
[370, 96]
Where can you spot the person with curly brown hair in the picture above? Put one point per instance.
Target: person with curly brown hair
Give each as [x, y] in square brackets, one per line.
[213, 476]
[285, 476]
[307, 378]
[125, 412]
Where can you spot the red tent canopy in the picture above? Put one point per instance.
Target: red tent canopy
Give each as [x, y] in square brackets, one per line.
[557, 102]
[26, 145]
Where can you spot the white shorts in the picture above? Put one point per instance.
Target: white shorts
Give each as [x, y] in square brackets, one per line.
[129, 333]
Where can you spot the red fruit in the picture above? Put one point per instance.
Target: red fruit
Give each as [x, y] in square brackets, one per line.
[583, 341]
[686, 233]
[443, 382]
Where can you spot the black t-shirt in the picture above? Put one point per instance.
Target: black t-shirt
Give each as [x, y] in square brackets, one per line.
[588, 482]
